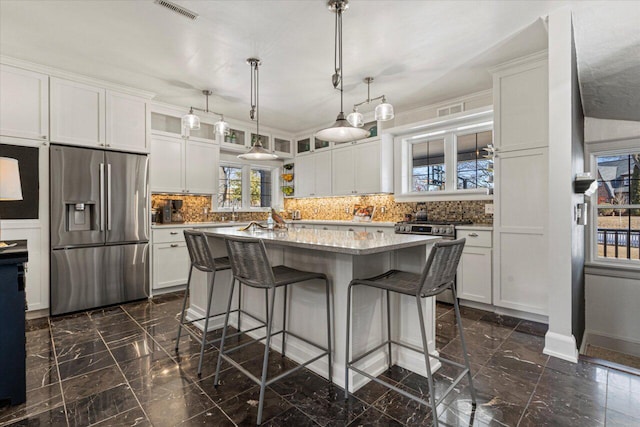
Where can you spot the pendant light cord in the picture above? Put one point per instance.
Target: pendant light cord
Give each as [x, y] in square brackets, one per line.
[339, 33]
[255, 107]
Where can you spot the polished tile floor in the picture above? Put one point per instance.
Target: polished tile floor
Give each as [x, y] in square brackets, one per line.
[117, 367]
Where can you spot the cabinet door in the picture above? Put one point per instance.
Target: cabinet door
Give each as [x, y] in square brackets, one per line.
[77, 113]
[200, 167]
[474, 275]
[342, 174]
[170, 265]
[283, 147]
[367, 167]
[126, 122]
[166, 173]
[322, 173]
[24, 104]
[304, 176]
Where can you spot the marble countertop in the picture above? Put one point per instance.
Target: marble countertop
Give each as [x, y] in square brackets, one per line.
[200, 224]
[14, 254]
[348, 242]
[341, 222]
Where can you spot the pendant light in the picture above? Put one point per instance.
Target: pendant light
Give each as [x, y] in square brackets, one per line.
[383, 112]
[191, 121]
[341, 130]
[257, 151]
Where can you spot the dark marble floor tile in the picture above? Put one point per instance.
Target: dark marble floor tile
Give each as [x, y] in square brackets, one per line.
[472, 313]
[153, 368]
[65, 341]
[442, 379]
[36, 324]
[488, 331]
[500, 319]
[105, 312]
[533, 343]
[42, 375]
[168, 297]
[555, 386]
[232, 383]
[135, 349]
[132, 418]
[100, 406]
[373, 391]
[498, 413]
[373, 417]
[518, 357]
[176, 406]
[623, 400]
[541, 412]
[442, 308]
[582, 369]
[276, 364]
[38, 341]
[118, 339]
[61, 327]
[449, 319]
[478, 350]
[449, 417]
[85, 385]
[69, 350]
[291, 417]
[404, 410]
[210, 417]
[113, 318]
[532, 328]
[618, 419]
[328, 407]
[39, 400]
[300, 387]
[189, 362]
[117, 329]
[84, 365]
[243, 408]
[396, 373]
[55, 417]
[624, 381]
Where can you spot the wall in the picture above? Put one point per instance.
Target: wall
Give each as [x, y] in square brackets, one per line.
[577, 233]
[334, 208]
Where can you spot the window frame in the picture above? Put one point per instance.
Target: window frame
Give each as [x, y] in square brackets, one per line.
[592, 153]
[246, 187]
[449, 130]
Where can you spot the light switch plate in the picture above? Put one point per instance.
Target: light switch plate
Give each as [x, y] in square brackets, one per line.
[488, 208]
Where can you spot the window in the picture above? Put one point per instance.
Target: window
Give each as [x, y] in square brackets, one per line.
[617, 231]
[475, 165]
[230, 187]
[428, 171]
[260, 188]
[245, 187]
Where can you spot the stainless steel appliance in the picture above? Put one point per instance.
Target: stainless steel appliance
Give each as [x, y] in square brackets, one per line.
[171, 212]
[99, 228]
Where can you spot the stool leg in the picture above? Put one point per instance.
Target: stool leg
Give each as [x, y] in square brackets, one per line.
[239, 304]
[206, 323]
[224, 332]
[284, 323]
[329, 350]
[184, 306]
[346, 350]
[423, 333]
[464, 346]
[266, 305]
[389, 327]
[265, 362]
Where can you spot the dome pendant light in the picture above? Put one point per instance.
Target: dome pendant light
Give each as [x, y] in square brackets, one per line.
[341, 130]
[257, 151]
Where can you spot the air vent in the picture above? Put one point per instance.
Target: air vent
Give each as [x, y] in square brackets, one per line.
[451, 109]
[177, 9]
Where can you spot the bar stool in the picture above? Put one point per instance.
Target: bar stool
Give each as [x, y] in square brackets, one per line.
[250, 266]
[201, 255]
[437, 276]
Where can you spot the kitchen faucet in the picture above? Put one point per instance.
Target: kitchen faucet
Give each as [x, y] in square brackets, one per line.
[233, 211]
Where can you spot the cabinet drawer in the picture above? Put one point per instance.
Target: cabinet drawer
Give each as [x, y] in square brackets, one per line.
[481, 238]
[168, 236]
[381, 230]
[170, 265]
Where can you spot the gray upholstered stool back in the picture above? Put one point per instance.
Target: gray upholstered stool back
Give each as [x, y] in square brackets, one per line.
[201, 257]
[249, 261]
[440, 271]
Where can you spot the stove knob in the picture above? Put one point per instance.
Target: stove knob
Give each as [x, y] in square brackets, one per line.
[436, 230]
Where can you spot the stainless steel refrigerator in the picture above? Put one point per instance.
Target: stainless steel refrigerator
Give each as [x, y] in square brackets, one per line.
[99, 228]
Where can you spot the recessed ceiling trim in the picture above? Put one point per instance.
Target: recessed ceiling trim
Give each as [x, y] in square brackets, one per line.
[177, 9]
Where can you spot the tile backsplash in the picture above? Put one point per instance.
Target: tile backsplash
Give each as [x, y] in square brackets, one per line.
[341, 208]
[193, 209]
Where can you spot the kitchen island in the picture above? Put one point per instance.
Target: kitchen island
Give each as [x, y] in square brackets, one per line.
[342, 256]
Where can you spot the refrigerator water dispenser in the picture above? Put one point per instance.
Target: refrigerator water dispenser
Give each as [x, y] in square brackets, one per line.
[80, 216]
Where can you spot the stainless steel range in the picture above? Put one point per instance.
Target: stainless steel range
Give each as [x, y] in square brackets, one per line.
[444, 229]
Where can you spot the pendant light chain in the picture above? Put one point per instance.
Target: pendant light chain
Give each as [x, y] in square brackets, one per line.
[339, 17]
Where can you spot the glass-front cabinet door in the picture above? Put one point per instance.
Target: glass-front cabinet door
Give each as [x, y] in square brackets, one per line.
[303, 145]
[283, 146]
[264, 139]
[206, 133]
[165, 124]
[320, 144]
[235, 139]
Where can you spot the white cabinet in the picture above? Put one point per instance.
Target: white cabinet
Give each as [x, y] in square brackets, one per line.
[313, 175]
[24, 104]
[359, 169]
[77, 113]
[520, 241]
[126, 122]
[170, 258]
[183, 166]
[473, 281]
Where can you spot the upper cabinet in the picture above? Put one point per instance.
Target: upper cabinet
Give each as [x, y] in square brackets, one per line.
[77, 113]
[313, 175]
[87, 115]
[24, 104]
[126, 122]
[283, 147]
[362, 168]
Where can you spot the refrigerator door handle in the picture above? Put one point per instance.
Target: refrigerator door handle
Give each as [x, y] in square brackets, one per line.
[109, 196]
[101, 196]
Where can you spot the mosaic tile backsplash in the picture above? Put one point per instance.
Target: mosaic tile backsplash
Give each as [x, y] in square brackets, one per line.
[337, 208]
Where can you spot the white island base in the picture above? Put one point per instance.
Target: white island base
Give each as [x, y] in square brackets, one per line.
[306, 301]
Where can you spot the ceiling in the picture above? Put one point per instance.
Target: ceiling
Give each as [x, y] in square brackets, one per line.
[419, 52]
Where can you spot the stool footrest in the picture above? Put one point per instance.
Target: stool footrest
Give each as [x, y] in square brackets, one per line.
[199, 338]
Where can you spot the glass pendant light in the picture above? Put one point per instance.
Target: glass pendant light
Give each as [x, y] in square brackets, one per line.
[257, 151]
[190, 120]
[355, 118]
[221, 127]
[384, 111]
[341, 130]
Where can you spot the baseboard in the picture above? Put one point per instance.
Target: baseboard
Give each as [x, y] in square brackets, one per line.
[561, 346]
[156, 292]
[37, 314]
[505, 311]
[612, 342]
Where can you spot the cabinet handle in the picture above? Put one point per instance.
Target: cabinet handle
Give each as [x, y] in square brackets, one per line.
[44, 136]
[173, 233]
[174, 245]
[472, 234]
[379, 231]
[325, 228]
[351, 229]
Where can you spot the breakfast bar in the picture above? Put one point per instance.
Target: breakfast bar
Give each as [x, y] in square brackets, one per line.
[342, 256]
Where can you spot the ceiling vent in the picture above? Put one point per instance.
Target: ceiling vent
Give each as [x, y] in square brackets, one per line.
[177, 9]
[450, 109]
